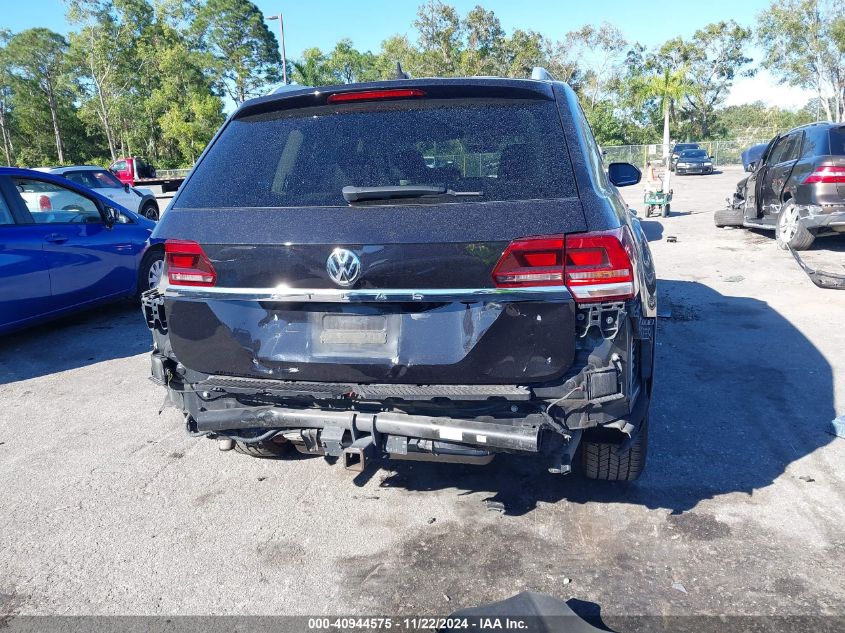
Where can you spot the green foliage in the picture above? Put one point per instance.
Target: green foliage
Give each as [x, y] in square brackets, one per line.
[804, 45]
[153, 77]
[241, 52]
[37, 66]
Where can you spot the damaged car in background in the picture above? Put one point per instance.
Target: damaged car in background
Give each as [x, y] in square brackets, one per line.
[797, 188]
[433, 269]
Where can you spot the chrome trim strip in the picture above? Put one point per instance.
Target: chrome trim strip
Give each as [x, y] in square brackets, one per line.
[340, 295]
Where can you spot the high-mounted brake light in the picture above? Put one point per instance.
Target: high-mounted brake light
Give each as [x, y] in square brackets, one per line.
[593, 266]
[44, 203]
[827, 174]
[187, 264]
[599, 266]
[375, 95]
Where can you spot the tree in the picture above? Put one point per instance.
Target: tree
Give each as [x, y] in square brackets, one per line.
[485, 46]
[312, 69]
[668, 86]
[603, 48]
[440, 38]
[243, 54]
[105, 53]
[804, 45]
[756, 120]
[183, 110]
[6, 99]
[37, 59]
[349, 65]
[398, 50]
[714, 57]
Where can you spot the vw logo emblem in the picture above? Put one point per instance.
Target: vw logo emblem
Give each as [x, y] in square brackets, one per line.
[343, 267]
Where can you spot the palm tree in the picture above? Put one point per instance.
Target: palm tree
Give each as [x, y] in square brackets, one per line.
[669, 87]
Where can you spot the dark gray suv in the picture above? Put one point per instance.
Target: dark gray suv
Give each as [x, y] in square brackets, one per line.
[433, 269]
[796, 189]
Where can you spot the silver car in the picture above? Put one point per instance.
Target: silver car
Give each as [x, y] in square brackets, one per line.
[101, 180]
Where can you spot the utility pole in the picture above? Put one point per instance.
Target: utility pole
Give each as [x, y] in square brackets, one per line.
[281, 44]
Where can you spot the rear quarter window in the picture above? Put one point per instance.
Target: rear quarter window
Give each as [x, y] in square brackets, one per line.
[837, 141]
[506, 149]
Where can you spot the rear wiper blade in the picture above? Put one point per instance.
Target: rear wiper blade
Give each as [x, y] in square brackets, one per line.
[359, 194]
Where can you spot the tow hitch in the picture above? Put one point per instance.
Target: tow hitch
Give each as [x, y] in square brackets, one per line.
[356, 455]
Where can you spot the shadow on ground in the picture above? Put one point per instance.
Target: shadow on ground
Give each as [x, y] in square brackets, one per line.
[105, 333]
[653, 230]
[740, 394]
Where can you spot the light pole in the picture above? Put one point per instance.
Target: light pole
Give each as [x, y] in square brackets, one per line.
[282, 43]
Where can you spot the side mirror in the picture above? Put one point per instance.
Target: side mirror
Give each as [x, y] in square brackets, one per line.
[623, 174]
[112, 216]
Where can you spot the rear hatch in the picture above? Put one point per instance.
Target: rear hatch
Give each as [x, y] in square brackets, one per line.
[284, 277]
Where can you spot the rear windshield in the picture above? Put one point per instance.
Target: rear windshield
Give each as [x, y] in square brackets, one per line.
[504, 149]
[837, 141]
[100, 179]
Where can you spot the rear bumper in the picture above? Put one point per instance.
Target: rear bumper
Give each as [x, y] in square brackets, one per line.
[604, 386]
[815, 216]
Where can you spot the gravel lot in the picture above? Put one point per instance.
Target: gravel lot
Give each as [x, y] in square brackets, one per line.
[107, 507]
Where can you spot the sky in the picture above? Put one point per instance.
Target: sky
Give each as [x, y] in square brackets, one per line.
[321, 23]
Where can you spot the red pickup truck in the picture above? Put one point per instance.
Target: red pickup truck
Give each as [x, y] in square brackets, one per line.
[135, 171]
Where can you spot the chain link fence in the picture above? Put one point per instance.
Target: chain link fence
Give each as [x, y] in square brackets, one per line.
[722, 152]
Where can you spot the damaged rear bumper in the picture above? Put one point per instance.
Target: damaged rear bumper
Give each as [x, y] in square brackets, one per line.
[445, 421]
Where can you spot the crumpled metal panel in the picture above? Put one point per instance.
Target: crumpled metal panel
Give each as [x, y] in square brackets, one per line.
[480, 342]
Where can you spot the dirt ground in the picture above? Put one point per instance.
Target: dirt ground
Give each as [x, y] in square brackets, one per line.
[107, 507]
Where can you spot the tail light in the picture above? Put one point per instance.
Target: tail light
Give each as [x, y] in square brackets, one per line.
[44, 203]
[531, 261]
[375, 95]
[827, 174]
[187, 264]
[593, 266]
[600, 266]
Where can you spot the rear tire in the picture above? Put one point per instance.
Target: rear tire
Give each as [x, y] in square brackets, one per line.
[665, 211]
[600, 460]
[728, 217]
[151, 269]
[264, 450]
[790, 233]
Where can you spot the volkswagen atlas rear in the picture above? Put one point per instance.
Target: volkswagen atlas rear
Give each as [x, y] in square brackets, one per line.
[436, 269]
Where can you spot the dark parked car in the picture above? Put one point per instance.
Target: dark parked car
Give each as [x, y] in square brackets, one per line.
[64, 247]
[693, 161]
[676, 152]
[334, 285]
[751, 155]
[797, 189]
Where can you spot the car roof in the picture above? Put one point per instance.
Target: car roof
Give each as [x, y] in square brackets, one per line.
[65, 170]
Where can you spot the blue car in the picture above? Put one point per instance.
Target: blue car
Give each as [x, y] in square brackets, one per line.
[64, 247]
